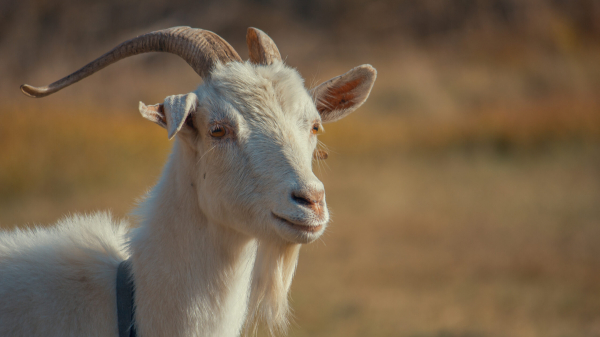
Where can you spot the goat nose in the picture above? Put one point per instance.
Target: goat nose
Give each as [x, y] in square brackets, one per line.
[311, 198]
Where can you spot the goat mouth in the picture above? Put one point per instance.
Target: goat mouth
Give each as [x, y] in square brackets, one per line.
[299, 227]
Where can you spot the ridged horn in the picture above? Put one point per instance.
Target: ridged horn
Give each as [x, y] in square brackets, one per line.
[201, 49]
[261, 47]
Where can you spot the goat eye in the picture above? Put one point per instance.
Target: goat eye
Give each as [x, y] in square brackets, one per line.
[315, 129]
[218, 131]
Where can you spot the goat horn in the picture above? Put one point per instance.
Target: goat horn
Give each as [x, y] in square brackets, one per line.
[261, 47]
[201, 49]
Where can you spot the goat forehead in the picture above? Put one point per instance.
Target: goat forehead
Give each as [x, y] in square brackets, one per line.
[263, 93]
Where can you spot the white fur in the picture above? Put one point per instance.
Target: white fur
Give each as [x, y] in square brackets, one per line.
[211, 254]
[60, 281]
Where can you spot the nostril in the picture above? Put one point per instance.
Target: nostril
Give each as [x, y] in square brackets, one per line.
[301, 198]
[308, 198]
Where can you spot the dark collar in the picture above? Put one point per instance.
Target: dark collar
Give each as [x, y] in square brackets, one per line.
[125, 305]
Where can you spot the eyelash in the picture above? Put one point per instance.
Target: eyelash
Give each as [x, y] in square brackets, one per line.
[218, 131]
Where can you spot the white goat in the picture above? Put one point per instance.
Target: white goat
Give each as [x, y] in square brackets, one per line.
[220, 233]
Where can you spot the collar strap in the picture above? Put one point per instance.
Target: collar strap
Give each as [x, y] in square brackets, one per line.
[125, 296]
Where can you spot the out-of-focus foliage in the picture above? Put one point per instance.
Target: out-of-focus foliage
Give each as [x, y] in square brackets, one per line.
[526, 66]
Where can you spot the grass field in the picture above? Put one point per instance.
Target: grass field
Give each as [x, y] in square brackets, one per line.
[457, 244]
[433, 241]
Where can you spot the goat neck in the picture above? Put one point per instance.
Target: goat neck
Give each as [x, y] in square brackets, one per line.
[194, 272]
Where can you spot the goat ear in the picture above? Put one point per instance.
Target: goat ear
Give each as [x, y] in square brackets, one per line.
[338, 97]
[154, 113]
[172, 114]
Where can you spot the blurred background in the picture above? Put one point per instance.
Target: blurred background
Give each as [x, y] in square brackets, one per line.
[465, 194]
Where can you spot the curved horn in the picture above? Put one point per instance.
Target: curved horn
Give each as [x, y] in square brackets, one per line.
[201, 49]
[261, 47]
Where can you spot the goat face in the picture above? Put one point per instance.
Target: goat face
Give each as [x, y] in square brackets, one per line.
[255, 126]
[252, 130]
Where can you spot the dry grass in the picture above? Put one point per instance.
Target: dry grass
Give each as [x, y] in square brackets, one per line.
[65, 161]
[426, 241]
[456, 244]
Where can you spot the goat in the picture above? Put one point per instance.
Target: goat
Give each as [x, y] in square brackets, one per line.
[220, 233]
